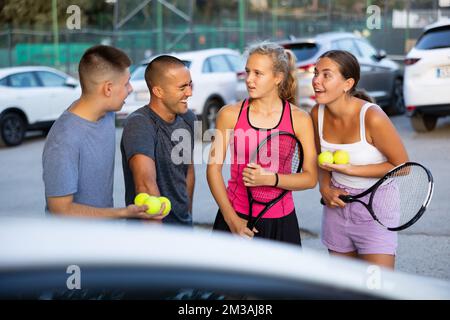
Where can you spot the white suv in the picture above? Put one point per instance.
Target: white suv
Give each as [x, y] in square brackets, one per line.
[213, 73]
[32, 98]
[427, 77]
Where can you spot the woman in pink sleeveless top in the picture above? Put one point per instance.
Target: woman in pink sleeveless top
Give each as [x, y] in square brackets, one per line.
[271, 85]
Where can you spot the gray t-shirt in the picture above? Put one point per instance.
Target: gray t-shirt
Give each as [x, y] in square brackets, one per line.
[78, 159]
[146, 133]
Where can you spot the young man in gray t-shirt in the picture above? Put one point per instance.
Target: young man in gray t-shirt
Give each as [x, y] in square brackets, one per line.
[78, 157]
[158, 140]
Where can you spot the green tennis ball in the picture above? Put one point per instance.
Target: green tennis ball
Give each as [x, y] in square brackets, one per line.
[325, 157]
[153, 204]
[139, 200]
[341, 157]
[168, 207]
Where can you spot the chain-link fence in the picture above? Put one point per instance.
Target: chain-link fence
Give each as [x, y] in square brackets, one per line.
[235, 29]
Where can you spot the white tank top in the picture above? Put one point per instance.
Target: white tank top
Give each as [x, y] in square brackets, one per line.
[361, 152]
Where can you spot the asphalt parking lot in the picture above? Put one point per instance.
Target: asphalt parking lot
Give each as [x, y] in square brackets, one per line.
[424, 249]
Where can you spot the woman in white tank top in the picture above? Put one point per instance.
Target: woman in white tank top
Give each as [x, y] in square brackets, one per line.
[344, 119]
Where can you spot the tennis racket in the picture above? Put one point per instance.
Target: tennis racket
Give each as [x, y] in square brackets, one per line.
[399, 199]
[280, 152]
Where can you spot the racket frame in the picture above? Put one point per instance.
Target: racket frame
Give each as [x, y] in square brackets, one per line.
[372, 190]
[252, 221]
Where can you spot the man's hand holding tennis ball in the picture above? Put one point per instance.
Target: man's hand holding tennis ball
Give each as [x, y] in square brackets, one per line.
[157, 207]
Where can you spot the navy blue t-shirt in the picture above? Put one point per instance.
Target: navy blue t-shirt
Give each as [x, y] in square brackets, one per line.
[171, 146]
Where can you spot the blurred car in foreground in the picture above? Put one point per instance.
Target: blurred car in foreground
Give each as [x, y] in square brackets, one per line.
[213, 73]
[74, 259]
[427, 77]
[32, 98]
[381, 77]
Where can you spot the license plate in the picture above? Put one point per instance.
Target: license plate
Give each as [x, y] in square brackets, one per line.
[443, 72]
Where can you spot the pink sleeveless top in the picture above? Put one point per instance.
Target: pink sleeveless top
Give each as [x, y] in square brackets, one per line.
[244, 141]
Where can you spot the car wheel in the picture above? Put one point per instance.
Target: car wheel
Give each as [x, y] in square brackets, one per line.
[397, 103]
[210, 111]
[12, 129]
[423, 123]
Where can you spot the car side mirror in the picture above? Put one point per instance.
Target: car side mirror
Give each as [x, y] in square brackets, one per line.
[380, 55]
[71, 82]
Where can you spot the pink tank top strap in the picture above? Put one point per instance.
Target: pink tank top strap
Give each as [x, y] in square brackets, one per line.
[242, 122]
[286, 123]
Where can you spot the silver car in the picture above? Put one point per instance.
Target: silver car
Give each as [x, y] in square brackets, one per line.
[84, 259]
[381, 77]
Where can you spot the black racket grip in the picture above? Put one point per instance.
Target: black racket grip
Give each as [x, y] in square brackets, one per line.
[344, 198]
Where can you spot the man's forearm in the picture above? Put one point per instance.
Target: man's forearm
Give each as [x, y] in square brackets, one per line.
[190, 184]
[80, 210]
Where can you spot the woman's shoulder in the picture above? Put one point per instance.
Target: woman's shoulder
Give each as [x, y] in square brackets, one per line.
[229, 113]
[375, 118]
[298, 114]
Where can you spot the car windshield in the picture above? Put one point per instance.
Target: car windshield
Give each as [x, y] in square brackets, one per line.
[435, 39]
[303, 51]
[139, 73]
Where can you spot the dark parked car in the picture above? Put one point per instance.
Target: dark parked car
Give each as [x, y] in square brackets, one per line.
[381, 77]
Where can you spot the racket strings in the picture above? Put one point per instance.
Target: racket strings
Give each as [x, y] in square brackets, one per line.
[281, 155]
[401, 197]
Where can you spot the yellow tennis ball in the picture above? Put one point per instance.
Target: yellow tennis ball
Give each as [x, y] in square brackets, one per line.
[341, 157]
[325, 157]
[168, 207]
[153, 204]
[139, 200]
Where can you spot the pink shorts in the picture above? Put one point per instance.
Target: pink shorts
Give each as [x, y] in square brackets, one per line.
[352, 228]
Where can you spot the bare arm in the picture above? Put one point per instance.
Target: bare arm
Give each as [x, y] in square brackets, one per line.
[226, 120]
[190, 183]
[304, 131]
[65, 206]
[144, 176]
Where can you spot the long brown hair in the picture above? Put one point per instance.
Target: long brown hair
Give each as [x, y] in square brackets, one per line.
[349, 69]
[284, 62]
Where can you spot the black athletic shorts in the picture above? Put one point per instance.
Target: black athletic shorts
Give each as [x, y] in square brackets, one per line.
[284, 229]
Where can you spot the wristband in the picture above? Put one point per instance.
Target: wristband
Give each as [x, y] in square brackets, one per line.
[276, 180]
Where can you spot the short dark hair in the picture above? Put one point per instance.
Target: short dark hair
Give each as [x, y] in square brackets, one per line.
[99, 60]
[157, 67]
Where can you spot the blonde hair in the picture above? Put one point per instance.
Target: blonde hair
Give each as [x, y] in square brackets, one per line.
[284, 62]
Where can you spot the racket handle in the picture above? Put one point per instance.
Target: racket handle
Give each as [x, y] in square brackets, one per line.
[344, 198]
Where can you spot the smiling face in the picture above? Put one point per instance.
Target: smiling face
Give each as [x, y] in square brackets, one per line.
[261, 79]
[328, 83]
[176, 88]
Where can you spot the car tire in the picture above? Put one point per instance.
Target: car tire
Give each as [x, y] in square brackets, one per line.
[397, 103]
[209, 115]
[12, 129]
[423, 123]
